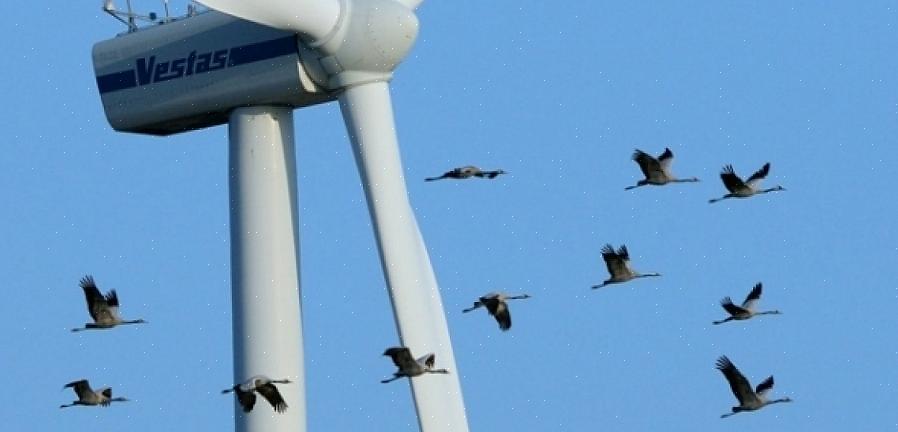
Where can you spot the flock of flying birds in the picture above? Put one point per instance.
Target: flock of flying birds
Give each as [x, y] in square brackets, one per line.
[657, 173]
[104, 309]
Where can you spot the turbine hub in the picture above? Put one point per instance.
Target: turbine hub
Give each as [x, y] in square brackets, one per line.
[369, 41]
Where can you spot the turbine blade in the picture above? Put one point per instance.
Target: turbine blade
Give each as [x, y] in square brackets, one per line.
[417, 305]
[313, 18]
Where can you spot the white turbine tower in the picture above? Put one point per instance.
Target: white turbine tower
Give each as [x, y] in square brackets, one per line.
[180, 76]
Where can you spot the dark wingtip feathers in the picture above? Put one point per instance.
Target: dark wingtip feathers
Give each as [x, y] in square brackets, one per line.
[392, 351]
[622, 251]
[724, 363]
[87, 282]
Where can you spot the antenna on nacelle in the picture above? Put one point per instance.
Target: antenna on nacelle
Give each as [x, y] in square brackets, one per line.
[130, 18]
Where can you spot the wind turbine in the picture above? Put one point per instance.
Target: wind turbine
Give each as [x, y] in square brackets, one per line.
[348, 50]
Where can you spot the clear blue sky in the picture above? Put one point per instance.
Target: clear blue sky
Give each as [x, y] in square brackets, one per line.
[559, 95]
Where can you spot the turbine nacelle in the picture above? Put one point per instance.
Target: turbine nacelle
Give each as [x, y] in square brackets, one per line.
[190, 73]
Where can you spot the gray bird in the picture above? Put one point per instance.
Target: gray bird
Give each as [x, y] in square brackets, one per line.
[747, 310]
[496, 304]
[746, 189]
[467, 172]
[656, 171]
[408, 366]
[103, 308]
[749, 399]
[246, 393]
[618, 263]
[90, 397]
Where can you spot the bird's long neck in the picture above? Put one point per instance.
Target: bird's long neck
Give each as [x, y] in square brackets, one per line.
[137, 321]
[777, 401]
[439, 371]
[518, 297]
[647, 275]
[685, 180]
[771, 312]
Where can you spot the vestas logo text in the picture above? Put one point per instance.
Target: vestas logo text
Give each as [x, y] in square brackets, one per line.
[151, 71]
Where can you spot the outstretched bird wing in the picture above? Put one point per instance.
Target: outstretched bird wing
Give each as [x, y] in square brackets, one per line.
[615, 263]
[402, 357]
[731, 308]
[247, 399]
[666, 158]
[752, 297]
[491, 301]
[738, 384]
[732, 182]
[764, 386]
[758, 175]
[499, 310]
[649, 165]
[273, 396]
[623, 253]
[81, 387]
[112, 305]
[428, 360]
[96, 302]
[107, 393]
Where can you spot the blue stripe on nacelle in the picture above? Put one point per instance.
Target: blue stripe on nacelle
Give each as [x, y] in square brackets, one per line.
[117, 81]
[262, 51]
